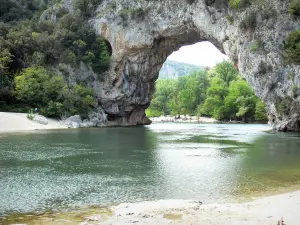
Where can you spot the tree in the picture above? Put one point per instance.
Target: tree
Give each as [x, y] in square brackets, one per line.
[213, 105]
[260, 111]
[220, 93]
[162, 97]
[5, 78]
[79, 100]
[240, 101]
[37, 88]
[226, 72]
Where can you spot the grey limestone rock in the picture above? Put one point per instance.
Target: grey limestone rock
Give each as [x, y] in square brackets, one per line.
[142, 34]
[40, 119]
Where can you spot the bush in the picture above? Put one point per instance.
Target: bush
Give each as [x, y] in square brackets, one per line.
[295, 91]
[234, 3]
[260, 112]
[295, 8]
[292, 48]
[30, 114]
[35, 87]
[239, 3]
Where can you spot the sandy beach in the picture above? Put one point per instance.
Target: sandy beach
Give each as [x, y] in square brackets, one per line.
[283, 209]
[18, 122]
[264, 211]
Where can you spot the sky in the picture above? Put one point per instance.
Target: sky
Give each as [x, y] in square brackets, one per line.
[202, 54]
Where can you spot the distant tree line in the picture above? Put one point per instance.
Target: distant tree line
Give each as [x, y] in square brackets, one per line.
[220, 93]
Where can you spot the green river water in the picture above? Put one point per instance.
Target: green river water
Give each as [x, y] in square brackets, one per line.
[66, 169]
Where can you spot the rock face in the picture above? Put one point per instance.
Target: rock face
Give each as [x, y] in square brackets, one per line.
[172, 69]
[40, 119]
[143, 33]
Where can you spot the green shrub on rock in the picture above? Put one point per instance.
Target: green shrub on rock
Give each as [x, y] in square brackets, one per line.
[234, 3]
[295, 8]
[292, 48]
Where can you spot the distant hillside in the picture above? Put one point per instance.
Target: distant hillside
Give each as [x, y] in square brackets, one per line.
[173, 69]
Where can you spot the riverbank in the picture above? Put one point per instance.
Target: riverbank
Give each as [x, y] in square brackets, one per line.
[264, 211]
[184, 119]
[18, 122]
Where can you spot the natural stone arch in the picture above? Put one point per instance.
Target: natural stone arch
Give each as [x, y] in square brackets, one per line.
[144, 33]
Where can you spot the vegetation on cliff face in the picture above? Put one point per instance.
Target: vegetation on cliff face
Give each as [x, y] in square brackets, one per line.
[292, 48]
[220, 93]
[31, 38]
[295, 8]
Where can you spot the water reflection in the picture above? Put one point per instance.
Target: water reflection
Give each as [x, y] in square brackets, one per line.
[65, 169]
[58, 169]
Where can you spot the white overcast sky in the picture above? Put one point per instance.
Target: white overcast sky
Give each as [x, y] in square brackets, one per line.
[202, 53]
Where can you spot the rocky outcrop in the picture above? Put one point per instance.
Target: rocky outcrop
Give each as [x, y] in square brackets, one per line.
[143, 34]
[40, 119]
[95, 119]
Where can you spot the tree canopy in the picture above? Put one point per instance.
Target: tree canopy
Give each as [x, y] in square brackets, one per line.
[220, 93]
[35, 42]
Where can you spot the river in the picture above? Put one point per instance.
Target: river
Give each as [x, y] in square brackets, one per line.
[66, 169]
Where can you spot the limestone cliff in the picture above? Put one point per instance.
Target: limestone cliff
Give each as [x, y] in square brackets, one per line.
[172, 69]
[143, 33]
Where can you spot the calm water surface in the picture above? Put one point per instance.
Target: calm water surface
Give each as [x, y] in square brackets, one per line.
[57, 170]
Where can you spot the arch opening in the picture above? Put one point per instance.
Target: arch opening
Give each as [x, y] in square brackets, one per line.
[198, 82]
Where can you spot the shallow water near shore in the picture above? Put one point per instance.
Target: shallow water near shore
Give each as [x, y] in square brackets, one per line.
[73, 169]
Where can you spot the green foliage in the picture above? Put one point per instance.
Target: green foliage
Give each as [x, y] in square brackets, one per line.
[180, 96]
[35, 43]
[30, 114]
[292, 48]
[79, 100]
[17, 10]
[234, 3]
[230, 19]
[29, 86]
[226, 72]
[37, 88]
[214, 103]
[295, 91]
[239, 4]
[260, 111]
[86, 7]
[294, 8]
[283, 106]
[5, 77]
[220, 93]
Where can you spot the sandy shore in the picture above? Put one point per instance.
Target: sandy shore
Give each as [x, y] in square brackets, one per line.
[265, 211]
[184, 119]
[18, 122]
